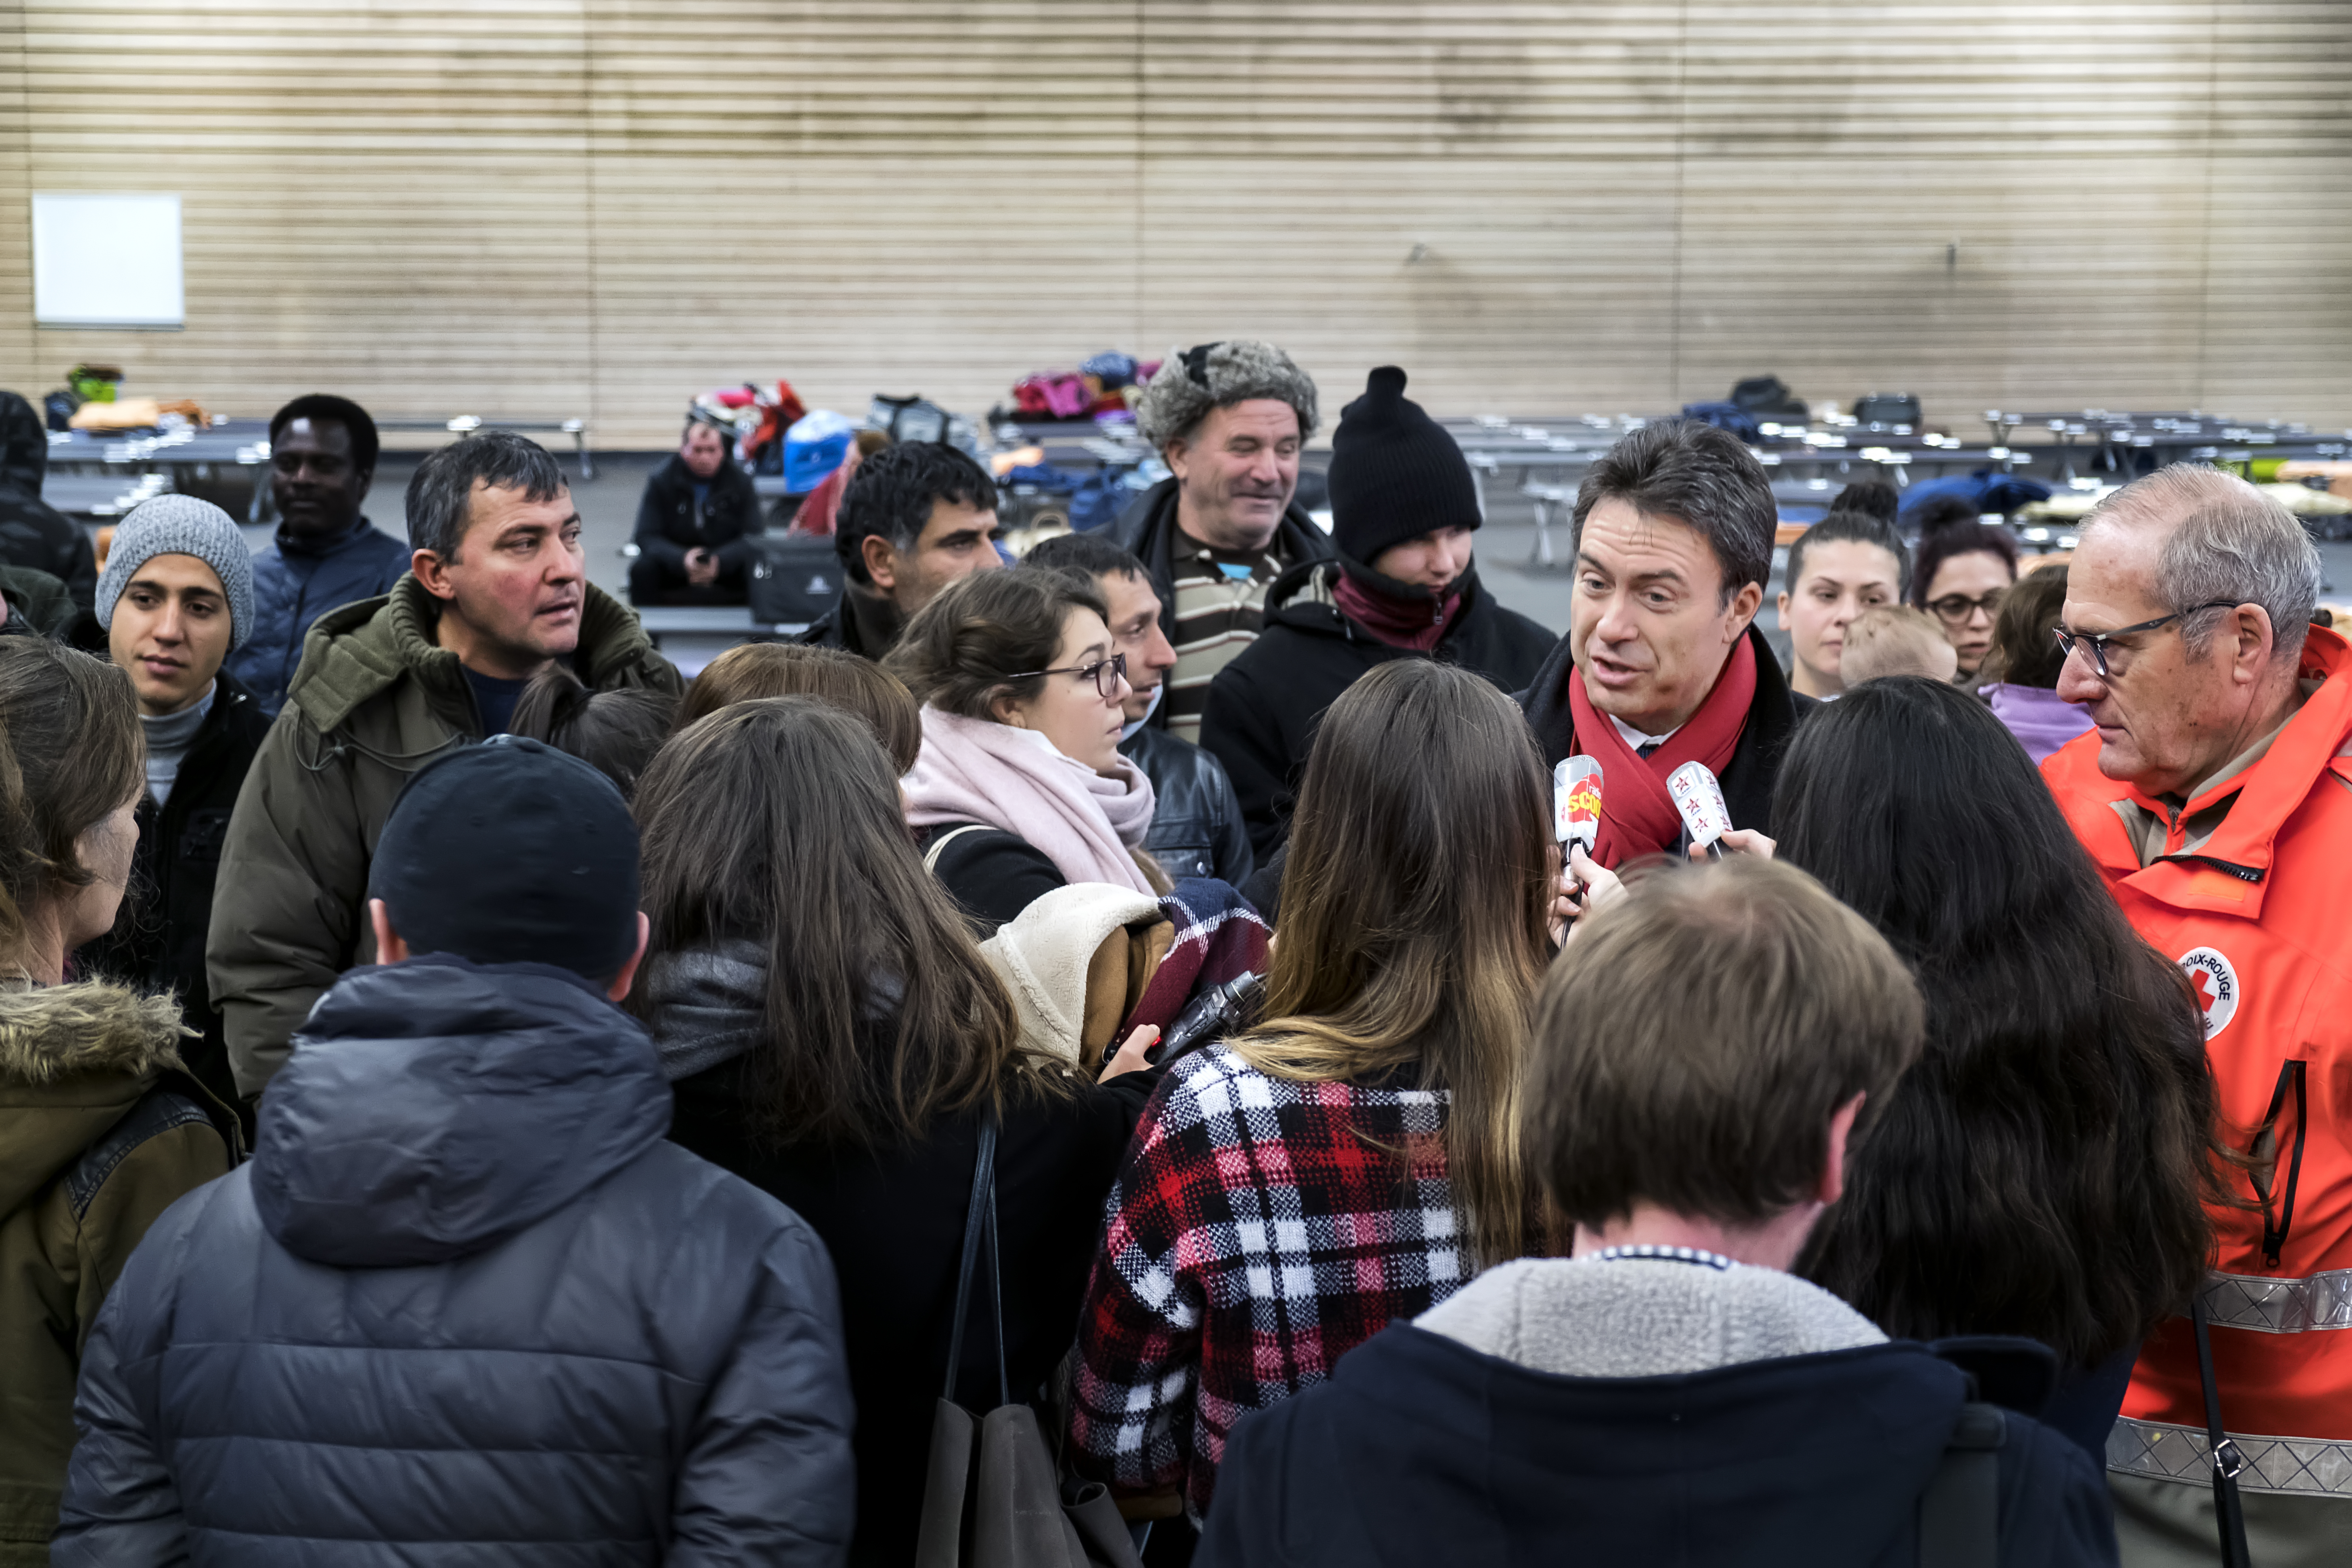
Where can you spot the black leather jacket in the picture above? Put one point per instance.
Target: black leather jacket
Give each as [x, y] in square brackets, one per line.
[1196, 822]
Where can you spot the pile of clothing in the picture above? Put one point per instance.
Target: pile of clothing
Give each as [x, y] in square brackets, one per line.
[1105, 384]
[758, 414]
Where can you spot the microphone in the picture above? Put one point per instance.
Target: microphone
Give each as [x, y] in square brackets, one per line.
[1576, 803]
[1214, 1013]
[1698, 796]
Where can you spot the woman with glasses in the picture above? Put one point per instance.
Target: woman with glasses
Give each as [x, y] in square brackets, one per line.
[1020, 787]
[1965, 570]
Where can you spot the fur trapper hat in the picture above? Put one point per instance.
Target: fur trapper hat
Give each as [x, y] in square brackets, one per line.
[1217, 376]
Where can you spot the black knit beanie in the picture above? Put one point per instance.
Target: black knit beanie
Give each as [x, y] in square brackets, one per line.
[1395, 473]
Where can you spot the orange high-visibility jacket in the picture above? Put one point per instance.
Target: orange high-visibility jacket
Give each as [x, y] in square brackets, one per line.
[2257, 918]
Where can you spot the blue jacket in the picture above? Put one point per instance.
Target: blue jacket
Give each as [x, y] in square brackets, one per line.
[296, 580]
[467, 1304]
[1420, 1449]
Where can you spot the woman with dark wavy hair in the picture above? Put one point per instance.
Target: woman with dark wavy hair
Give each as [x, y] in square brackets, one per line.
[2040, 1171]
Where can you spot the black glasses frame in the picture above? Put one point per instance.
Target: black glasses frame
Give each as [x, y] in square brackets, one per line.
[2097, 641]
[1116, 664]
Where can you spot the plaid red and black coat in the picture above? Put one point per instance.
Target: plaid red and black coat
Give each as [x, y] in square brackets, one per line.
[1261, 1227]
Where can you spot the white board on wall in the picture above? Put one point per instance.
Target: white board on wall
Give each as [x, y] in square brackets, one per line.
[103, 259]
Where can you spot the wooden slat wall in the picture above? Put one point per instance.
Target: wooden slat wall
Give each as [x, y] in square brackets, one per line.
[597, 207]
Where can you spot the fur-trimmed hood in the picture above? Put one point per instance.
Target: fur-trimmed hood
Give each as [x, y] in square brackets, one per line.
[74, 1059]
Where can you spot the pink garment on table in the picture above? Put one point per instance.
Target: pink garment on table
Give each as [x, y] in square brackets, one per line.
[2041, 722]
[974, 770]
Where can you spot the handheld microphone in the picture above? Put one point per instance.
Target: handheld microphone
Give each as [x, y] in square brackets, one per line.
[1214, 1013]
[1698, 796]
[1576, 802]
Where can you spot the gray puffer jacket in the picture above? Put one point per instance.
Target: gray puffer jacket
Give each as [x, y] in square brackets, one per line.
[467, 1304]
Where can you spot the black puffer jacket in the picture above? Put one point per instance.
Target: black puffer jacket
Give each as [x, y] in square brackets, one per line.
[33, 532]
[1196, 822]
[1264, 707]
[667, 525]
[466, 1293]
[161, 946]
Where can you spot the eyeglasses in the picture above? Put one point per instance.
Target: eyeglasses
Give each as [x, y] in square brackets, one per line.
[1108, 674]
[1953, 609]
[2097, 641]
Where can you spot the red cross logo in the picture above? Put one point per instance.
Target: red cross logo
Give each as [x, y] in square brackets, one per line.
[2205, 996]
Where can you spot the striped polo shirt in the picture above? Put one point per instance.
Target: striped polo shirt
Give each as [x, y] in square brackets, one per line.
[1220, 604]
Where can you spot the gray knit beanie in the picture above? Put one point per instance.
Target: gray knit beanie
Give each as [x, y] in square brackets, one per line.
[182, 525]
[1217, 376]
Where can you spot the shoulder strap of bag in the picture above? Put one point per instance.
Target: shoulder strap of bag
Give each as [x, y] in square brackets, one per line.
[932, 864]
[2228, 1514]
[1959, 1513]
[980, 1215]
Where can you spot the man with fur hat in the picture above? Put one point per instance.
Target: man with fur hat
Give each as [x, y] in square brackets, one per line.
[1403, 507]
[1230, 419]
[176, 599]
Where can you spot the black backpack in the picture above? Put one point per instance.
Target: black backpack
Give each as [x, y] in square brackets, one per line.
[793, 580]
[1769, 397]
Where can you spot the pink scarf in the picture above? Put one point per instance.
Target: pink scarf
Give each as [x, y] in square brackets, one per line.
[973, 770]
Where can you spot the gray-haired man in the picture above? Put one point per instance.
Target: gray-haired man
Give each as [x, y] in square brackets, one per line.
[497, 592]
[1230, 419]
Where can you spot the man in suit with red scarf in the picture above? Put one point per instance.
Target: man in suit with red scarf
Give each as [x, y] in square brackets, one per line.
[1662, 664]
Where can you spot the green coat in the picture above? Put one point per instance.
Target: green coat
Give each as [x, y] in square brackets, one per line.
[100, 1132]
[374, 699]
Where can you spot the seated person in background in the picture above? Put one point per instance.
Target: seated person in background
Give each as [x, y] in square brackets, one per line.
[1352, 1159]
[175, 599]
[835, 1037]
[499, 592]
[616, 732]
[917, 517]
[1850, 562]
[2019, 675]
[699, 506]
[821, 509]
[325, 554]
[1966, 568]
[1704, 1054]
[100, 1129]
[1895, 640]
[754, 671]
[33, 534]
[1403, 507]
[1020, 788]
[550, 1333]
[1196, 823]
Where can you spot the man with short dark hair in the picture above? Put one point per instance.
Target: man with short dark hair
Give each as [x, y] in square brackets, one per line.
[1230, 419]
[916, 517]
[1403, 509]
[498, 592]
[322, 456]
[694, 523]
[34, 535]
[1703, 1056]
[1662, 664]
[467, 1303]
[1196, 823]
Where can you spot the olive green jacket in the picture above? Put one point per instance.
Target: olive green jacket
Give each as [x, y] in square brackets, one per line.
[100, 1132]
[374, 700]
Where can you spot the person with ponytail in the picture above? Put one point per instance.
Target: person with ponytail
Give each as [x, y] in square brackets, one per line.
[101, 1126]
[1352, 1160]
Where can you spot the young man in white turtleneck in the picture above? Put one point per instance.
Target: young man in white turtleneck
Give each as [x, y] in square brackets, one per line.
[175, 598]
[1702, 1056]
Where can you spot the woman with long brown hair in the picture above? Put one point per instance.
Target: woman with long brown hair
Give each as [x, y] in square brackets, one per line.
[835, 1037]
[1354, 1158]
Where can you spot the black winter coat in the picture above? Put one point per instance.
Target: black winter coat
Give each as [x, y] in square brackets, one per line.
[1196, 823]
[33, 532]
[667, 525]
[467, 1304]
[1148, 527]
[161, 946]
[1755, 766]
[991, 874]
[894, 1220]
[1420, 1449]
[1263, 707]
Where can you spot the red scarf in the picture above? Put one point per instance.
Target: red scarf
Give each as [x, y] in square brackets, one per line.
[1417, 623]
[1637, 817]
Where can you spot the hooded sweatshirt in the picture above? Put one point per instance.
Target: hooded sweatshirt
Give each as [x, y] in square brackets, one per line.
[33, 532]
[465, 1292]
[1662, 1413]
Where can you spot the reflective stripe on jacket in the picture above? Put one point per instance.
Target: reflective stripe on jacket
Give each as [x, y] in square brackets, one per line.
[2255, 917]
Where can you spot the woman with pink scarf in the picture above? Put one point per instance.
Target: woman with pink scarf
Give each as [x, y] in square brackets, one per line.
[1020, 787]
